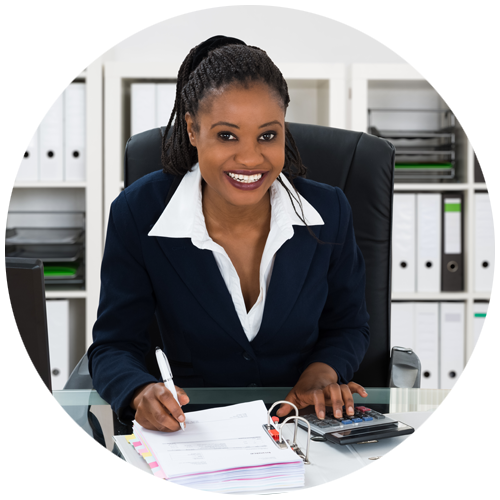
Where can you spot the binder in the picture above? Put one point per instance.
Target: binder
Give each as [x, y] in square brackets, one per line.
[28, 170]
[452, 268]
[403, 242]
[486, 369]
[484, 243]
[429, 242]
[143, 107]
[51, 132]
[403, 325]
[232, 449]
[165, 100]
[452, 340]
[427, 342]
[59, 341]
[74, 132]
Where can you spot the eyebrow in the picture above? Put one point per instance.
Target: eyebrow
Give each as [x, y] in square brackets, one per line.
[227, 124]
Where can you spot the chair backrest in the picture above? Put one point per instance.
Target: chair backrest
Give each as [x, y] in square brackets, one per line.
[363, 167]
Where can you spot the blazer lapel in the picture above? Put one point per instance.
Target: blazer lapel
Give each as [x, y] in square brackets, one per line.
[199, 271]
[290, 270]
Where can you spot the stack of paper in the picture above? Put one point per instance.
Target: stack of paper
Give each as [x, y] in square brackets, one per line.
[225, 450]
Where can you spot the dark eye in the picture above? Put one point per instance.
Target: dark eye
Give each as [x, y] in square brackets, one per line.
[227, 136]
[268, 136]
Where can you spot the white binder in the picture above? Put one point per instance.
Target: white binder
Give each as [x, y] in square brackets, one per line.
[59, 341]
[74, 132]
[452, 340]
[165, 100]
[480, 339]
[51, 132]
[403, 243]
[427, 342]
[28, 170]
[484, 243]
[429, 242]
[485, 364]
[143, 107]
[403, 324]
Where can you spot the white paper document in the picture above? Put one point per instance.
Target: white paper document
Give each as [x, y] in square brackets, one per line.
[226, 450]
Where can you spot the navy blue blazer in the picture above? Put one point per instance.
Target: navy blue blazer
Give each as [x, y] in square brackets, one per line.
[315, 308]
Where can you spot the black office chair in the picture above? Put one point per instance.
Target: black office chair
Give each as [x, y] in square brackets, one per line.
[363, 167]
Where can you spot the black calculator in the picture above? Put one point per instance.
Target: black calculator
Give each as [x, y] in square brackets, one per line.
[366, 425]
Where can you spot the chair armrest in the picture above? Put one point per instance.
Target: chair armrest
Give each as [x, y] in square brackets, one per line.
[404, 368]
[80, 376]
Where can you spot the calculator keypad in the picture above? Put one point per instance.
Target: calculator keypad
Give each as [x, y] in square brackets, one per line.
[363, 417]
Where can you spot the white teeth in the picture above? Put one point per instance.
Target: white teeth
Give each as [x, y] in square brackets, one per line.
[245, 178]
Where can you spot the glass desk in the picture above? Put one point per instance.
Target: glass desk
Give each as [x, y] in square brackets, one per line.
[85, 425]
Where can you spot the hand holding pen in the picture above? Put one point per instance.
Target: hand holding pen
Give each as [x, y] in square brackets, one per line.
[166, 375]
[158, 405]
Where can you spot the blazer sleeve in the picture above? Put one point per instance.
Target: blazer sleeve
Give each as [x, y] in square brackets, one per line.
[126, 308]
[343, 326]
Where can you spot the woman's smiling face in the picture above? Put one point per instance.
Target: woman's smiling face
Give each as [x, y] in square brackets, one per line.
[240, 137]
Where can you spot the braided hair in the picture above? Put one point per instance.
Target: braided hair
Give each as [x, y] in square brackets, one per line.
[212, 66]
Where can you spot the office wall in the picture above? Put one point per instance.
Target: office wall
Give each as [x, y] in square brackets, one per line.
[433, 39]
[442, 40]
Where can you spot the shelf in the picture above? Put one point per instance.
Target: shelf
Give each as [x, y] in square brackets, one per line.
[481, 295]
[41, 185]
[65, 294]
[438, 296]
[487, 186]
[434, 186]
[82, 75]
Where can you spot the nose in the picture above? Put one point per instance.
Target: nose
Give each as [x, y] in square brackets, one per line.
[249, 154]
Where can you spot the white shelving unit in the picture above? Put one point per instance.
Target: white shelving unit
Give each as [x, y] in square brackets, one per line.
[85, 196]
[318, 95]
[388, 85]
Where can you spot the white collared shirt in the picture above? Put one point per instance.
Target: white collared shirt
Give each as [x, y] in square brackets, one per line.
[183, 218]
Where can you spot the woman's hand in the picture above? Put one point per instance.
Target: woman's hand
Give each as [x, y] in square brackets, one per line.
[156, 408]
[318, 386]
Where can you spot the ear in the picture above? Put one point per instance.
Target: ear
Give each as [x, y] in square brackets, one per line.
[190, 128]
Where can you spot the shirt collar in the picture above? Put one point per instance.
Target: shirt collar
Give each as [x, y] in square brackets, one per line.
[180, 217]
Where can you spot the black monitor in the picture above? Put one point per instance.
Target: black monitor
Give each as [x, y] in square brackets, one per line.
[28, 388]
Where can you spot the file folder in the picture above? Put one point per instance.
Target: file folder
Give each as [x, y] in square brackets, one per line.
[427, 342]
[59, 341]
[51, 132]
[403, 325]
[143, 107]
[429, 242]
[165, 100]
[452, 340]
[479, 310]
[74, 132]
[452, 268]
[484, 243]
[403, 242]
[28, 170]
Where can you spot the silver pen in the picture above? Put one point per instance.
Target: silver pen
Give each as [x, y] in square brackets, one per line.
[166, 375]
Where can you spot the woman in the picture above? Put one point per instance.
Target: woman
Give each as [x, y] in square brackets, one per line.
[253, 272]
